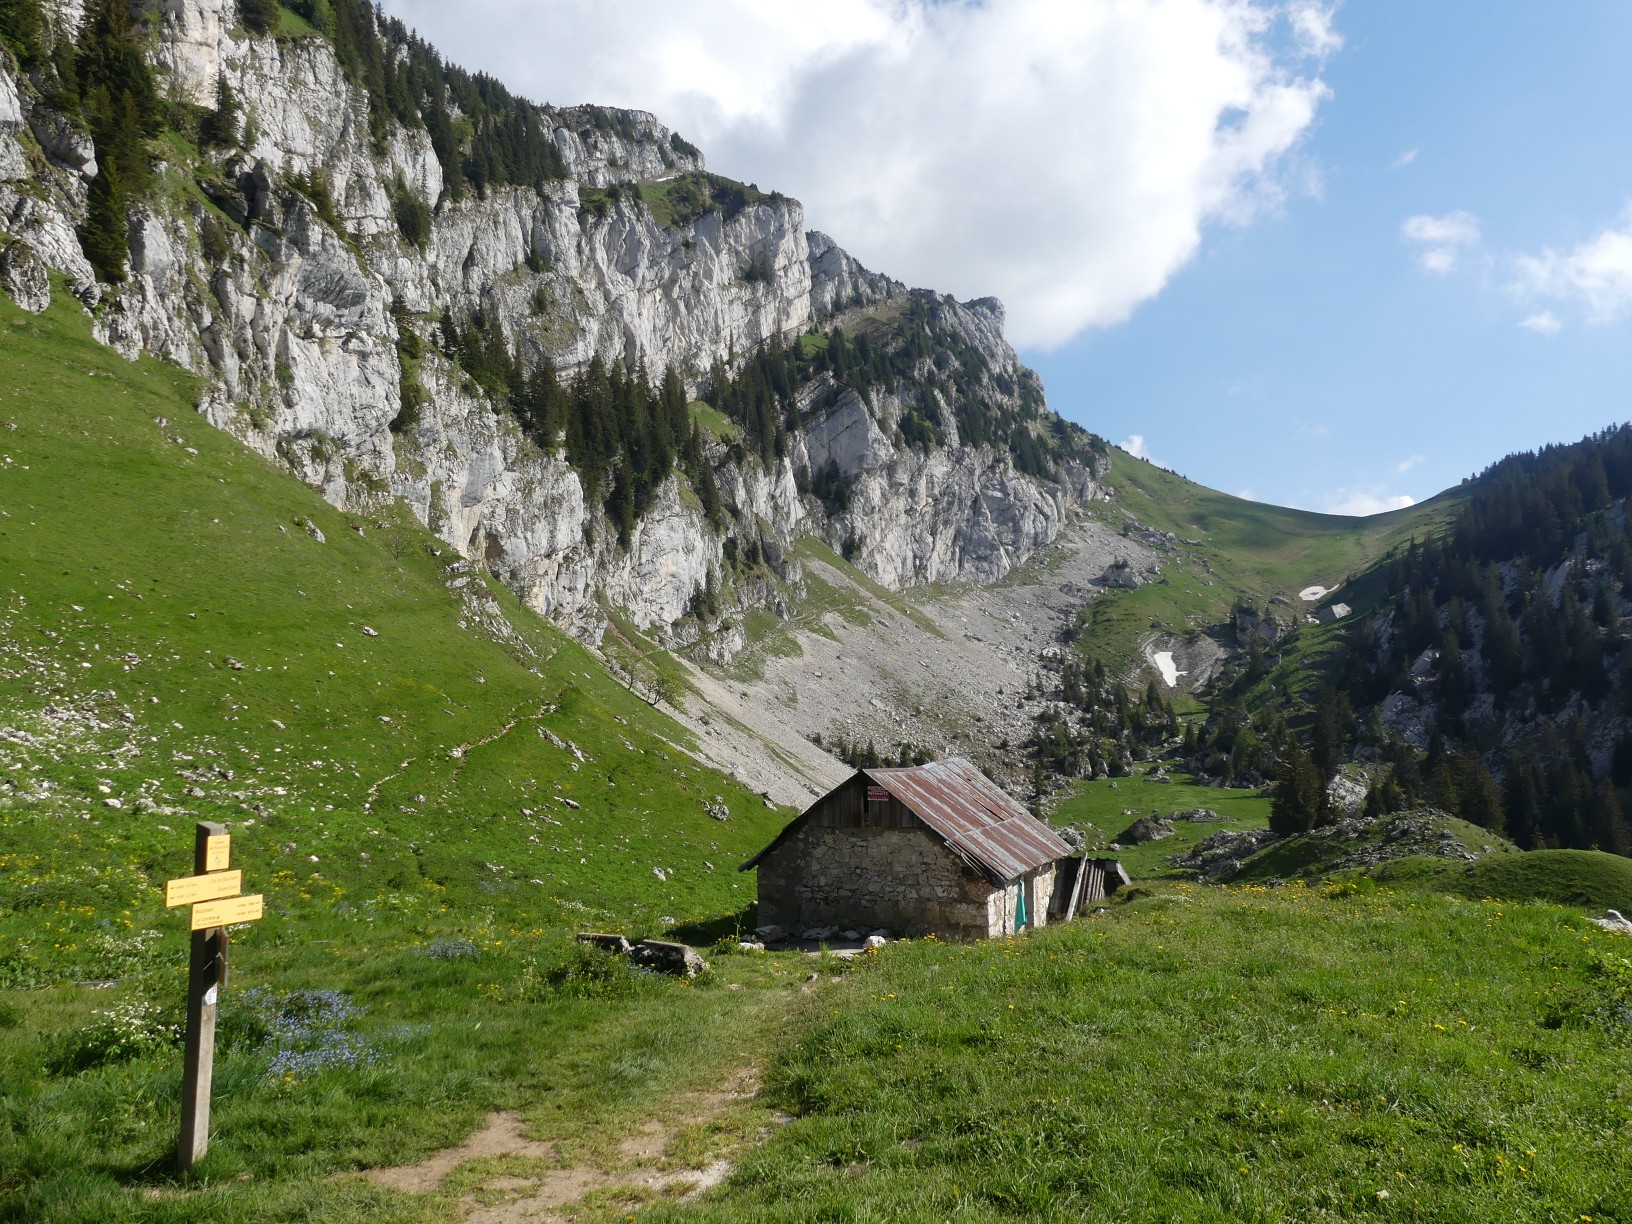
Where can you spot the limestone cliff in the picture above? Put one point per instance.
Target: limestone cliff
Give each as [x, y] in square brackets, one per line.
[290, 271]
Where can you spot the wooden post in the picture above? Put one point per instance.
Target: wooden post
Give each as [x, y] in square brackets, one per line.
[1075, 902]
[206, 974]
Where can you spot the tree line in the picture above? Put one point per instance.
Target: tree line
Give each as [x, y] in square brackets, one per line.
[102, 84]
[1105, 729]
[622, 430]
[1509, 628]
[483, 135]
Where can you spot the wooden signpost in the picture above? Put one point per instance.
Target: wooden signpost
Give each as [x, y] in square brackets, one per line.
[213, 893]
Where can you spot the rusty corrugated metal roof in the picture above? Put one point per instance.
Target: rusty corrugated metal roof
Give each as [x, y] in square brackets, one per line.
[977, 817]
[974, 816]
[1012, 848]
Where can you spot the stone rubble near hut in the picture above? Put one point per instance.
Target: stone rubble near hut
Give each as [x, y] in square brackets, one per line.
[1217, 859]
[1380, 839]
[659, 955]
[1198, 815]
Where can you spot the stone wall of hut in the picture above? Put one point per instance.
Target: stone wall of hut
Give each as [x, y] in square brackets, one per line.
[1003, 905]
[902, 880]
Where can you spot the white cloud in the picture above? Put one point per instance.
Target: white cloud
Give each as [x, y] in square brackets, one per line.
[1066, 157]
[1543, 322]
[1440, 241]
[1135, 446]
[1405, 465]
[1312, 27]
[1453, 229]
[1363, 500]
[1596, 275]
[1247, 494]
[1404, 159]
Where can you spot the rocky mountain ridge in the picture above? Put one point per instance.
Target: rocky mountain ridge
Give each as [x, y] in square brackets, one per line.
[294, 270]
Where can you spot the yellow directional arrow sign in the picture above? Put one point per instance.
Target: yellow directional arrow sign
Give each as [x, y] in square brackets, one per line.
[225, 913]
[191, 889]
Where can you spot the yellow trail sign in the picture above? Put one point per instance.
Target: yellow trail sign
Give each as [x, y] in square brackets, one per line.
[225, 913]
[190, 890]
[217, 850]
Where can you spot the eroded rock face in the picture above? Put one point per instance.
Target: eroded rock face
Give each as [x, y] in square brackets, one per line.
[293, 311]
[952, 515]
[24, 278]
[1346, 792]
[11, 106]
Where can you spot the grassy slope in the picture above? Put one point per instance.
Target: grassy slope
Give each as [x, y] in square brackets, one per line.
[1588, 878]
[1217, 1055]
[714, 423]
[1314, 857]
[185, 561]
[1245, 549]
[1101, 809]
[384, 791]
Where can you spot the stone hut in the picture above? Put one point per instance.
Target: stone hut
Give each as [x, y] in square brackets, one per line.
[931, 848]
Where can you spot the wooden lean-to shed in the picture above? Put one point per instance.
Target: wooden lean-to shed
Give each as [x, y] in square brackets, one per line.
[928, 848]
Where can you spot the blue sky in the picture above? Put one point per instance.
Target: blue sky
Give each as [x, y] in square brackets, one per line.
[1309, 357]
[1332, 255]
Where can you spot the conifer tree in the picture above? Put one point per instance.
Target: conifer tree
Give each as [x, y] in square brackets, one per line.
[122, 108]
[105, 236]
[1299, 799]
[259, 16]
[1608, 826]
[23, 28]
[219, 130]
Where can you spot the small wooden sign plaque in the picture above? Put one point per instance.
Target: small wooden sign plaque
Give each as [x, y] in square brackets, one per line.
[225, 913]
[217, 851]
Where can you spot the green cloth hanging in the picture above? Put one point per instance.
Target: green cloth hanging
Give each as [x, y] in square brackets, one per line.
[1020, 910]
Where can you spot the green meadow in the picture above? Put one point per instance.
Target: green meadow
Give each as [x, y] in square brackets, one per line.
[1332, 1053]
[1104, 809]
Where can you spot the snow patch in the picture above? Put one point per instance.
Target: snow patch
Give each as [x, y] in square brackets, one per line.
[1311, 594]
[1164, 664]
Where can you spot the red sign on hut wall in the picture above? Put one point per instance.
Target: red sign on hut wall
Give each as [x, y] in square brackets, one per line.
[877, 794]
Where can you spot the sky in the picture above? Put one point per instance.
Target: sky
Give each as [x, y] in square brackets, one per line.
[1336, 256]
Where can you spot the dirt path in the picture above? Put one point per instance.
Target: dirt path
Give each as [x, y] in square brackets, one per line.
[499, 1176]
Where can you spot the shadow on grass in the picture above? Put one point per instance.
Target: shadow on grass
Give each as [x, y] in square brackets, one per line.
[739, 925]
[157, 1174]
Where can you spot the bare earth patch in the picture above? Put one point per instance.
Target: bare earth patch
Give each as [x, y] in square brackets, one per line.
[500, 1136]
[527, 1182]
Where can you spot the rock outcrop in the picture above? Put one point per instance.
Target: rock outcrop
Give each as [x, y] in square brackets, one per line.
[1147, 829]
[24, 277]
[296, 290]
